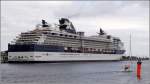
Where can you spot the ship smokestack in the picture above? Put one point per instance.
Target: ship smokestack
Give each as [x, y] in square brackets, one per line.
[66, 25]
[101, 32]
[44, 23]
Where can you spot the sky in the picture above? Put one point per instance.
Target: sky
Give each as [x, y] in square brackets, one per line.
[117, 18]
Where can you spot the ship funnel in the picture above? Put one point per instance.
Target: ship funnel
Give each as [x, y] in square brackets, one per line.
[66, 25]
[101, 32]
[44, 24]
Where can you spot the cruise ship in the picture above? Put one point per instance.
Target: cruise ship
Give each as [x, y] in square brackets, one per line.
[62, 43]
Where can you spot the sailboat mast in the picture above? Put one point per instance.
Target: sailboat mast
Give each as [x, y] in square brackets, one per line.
[130, 50]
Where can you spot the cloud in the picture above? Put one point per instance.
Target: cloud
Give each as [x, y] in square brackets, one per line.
[104, 8]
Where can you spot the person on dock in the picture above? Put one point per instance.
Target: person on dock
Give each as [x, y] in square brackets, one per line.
[127, 67]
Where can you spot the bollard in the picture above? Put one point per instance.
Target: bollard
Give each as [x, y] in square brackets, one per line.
[139, 69]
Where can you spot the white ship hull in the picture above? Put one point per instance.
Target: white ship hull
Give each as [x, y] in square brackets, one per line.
[60, 57]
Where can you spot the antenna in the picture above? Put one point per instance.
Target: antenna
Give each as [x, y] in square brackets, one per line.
[130, 50]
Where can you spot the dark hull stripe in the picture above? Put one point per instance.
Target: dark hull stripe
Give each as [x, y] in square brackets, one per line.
[63, 61]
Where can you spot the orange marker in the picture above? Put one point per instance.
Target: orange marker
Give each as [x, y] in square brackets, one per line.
[139, 69]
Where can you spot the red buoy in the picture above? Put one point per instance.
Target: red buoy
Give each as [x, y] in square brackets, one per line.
[139, 69]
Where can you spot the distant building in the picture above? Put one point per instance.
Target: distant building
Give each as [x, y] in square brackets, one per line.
[4, 56]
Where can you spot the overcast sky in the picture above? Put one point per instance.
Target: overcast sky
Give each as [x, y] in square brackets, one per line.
[118, 18]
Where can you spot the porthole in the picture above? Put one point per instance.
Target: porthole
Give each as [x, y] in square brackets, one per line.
[66, 35]
[75, 36]
[70, 36]
[61, 34]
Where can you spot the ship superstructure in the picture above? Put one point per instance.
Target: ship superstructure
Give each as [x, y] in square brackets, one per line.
[62, 42]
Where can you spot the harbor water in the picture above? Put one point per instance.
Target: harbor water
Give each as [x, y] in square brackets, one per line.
[73, 73]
